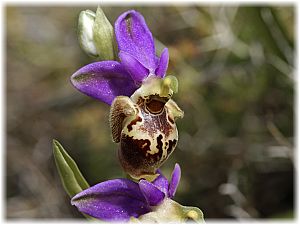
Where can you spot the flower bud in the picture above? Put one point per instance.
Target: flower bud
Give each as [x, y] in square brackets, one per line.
[85, 32]
[95, 34]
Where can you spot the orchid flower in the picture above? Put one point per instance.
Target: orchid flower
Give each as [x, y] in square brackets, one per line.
[121, 200]
[139, 94]
[105, 80]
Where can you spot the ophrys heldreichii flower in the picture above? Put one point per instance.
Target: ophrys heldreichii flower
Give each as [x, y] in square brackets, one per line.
[142, 113]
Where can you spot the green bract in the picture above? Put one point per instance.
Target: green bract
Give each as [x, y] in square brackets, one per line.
[70, 175]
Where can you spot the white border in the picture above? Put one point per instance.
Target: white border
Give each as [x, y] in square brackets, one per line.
[141, 2]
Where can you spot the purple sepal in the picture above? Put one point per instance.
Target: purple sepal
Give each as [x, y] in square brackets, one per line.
[136, 70]
[114, 200]
[163, 64]
[152, 194]
[134, 37]
[104, 81]
[175, 178]
[162, 183]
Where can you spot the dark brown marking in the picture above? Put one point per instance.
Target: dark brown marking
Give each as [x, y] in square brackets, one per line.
[155, 106]
[134, 150]
[134, 122]
[140, 101]
[159, 145]
[166, 144]
[172, 145]
[170, 119]
[134, 156]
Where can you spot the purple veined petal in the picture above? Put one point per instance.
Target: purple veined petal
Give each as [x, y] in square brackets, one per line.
[162, 183]
[113, 200]
[153, 195]
[175, 178]
[136, 70]
[104, 81]
[134, 37]
[163, 63]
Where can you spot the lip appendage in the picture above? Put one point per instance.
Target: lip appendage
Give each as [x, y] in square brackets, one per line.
[144, 124]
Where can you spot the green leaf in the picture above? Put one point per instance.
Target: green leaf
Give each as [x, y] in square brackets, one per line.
[71, 177]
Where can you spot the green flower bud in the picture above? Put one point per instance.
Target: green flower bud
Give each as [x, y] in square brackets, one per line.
[95, 34]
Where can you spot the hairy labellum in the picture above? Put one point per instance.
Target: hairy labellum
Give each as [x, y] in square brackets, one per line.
[144, 124]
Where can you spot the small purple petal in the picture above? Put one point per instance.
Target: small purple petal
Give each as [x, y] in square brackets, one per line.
[163, 63]
[153, 195]
[134, 37]
[104, 81]
[162, 183]
[137, 71]
[174, 180]
[113, 200]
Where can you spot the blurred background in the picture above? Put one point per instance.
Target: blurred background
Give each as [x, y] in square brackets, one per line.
[235, 66]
